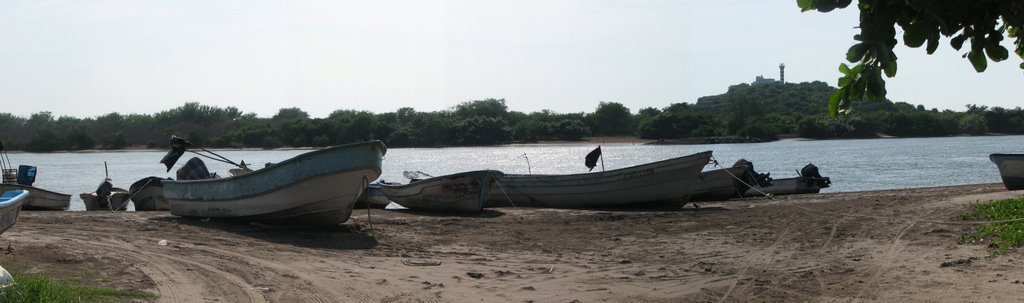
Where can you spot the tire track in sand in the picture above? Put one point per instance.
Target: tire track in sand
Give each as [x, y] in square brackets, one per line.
[210, 278]
[748, 262]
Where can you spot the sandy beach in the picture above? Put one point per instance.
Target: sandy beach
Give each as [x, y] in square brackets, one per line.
[879, 246]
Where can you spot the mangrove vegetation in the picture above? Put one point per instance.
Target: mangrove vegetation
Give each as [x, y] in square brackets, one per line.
[761, 112]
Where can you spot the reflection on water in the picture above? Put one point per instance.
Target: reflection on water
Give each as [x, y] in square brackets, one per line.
[853, 165]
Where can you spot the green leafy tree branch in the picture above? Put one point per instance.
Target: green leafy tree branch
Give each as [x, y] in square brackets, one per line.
[983, 23]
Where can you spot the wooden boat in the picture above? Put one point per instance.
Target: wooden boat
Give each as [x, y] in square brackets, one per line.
[720, 184]
[148, 194]
[315, 188]
[22, 178]
[790, 186]
[118, 200]
[372, 197]
[10, 207]
[665, 180]
[40, 199]
[1011, 169]
[462, 192]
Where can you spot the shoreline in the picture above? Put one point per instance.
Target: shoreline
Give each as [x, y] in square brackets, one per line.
[867, 246]
[589, 140]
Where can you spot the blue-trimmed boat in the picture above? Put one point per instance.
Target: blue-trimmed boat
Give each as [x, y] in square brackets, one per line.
[10, 207]
[315, 188]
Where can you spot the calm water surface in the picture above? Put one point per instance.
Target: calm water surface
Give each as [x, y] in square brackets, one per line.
[853, 165]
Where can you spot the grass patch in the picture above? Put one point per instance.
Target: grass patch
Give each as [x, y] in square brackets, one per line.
[1004, 236]
[38, 288]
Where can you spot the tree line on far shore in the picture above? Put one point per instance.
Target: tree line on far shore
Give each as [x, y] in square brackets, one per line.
[764, 112]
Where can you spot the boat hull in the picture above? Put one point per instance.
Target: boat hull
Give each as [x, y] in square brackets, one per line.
[787, 186]
[10, 207]
[118, 200]
[1011, 169]
[147, 194]
[667, 180]
[463, 192]
[315, 188]
[40, 199]
[719, 184]
[372, 197]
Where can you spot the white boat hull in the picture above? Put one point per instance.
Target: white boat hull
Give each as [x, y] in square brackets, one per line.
[786, 186]
[463, 192]
[150, 199]
[321, 200]
[118, 200]
[40, 199]
[719, 184]
[1011, 169]
[667, 180]
[10, 207]
[315, 188]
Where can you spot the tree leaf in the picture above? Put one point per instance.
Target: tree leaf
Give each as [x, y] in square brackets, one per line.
[856, 52]
[876, 86]
[958, 42]
[844, 81]
[933, 42]
[890, 69]
[843, 68]
[833, 102]
[916, 33]
[997, 52]
[857, 69]
[978, 60]
[805, 5]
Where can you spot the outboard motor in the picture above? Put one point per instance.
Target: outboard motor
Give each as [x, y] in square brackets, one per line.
[194, 169]
[26, 175]
[103, 193]
[752, 176]
[810, 172]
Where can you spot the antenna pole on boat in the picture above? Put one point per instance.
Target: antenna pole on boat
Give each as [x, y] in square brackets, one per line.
[106, 172]
[529, 170]
[602, 161]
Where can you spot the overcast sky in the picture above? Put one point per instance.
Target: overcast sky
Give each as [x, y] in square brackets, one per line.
[87, 58]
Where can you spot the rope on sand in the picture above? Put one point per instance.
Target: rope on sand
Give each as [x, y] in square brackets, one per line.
[897, 219]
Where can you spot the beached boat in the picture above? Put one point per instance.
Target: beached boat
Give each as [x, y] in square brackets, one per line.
[40, 199]
[117, 200]
[810, 181]
[462, 192]
[315, 188]
[10, 207]
[372, 197]
[1011, 169]
[148, 194]
[666, 180]
[790, 186]
[720, 184]
[22, 178]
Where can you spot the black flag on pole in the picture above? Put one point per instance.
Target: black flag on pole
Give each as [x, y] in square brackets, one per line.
[592, 158]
